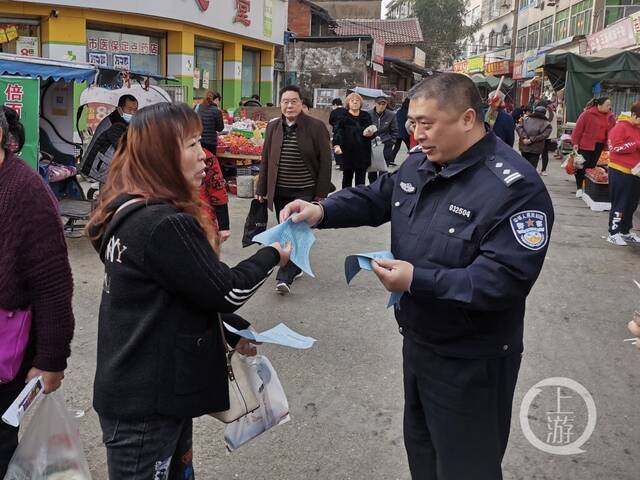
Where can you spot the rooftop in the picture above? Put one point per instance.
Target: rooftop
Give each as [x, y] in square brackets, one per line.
[392, 31]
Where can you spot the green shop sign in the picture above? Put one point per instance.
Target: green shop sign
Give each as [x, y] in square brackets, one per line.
[23, 96]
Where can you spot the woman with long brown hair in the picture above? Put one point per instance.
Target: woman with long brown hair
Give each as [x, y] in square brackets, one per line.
[160, 349]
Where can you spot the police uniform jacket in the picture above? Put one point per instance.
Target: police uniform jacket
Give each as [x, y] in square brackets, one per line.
[476, 232]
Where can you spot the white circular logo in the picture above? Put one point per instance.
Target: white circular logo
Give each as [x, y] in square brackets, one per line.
[559, 423]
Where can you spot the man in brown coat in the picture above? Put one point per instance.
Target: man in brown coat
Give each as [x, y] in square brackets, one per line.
[296, 164]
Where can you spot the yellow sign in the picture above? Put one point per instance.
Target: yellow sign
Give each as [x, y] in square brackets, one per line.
[475, 64]
[12, 33]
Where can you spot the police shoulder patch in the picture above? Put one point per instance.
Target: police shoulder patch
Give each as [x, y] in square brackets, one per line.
[504, 171]
[530, 229]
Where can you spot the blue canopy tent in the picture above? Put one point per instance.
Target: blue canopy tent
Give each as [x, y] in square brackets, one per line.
[45, 69]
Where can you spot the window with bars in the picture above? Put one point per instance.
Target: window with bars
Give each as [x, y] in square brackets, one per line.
[492, 40]
[521, 42]
[581, 18]
[618, 9]
[532, 35]
[562, 25]
[546, 31]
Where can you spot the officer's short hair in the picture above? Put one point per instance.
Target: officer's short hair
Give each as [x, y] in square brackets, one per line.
[451, 90]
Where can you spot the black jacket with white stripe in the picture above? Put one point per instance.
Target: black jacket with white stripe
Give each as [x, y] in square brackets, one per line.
[159, 344]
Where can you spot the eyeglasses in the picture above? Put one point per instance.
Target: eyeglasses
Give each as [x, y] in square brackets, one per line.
[290, 102]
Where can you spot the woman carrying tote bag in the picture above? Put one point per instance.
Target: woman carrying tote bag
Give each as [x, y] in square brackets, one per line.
[161, 356]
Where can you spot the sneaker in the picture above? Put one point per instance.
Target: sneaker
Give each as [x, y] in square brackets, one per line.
[392, 164]
[543, 173]
[283, 288]
[631, 237]
[298, 275]
[579, 193]
[617, 239]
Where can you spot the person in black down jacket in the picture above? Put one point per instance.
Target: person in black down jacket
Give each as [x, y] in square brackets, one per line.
[161, 360]
[350, 142]
[212, 121]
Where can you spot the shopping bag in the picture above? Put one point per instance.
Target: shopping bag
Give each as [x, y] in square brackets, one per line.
[50, 448]
[378, 163]
[256, 221]
[273, 409]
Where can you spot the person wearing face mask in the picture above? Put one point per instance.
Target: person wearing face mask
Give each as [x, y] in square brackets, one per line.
[95, 162]
[470, 224]
[161, 358]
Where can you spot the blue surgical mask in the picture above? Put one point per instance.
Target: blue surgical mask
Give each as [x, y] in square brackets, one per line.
[127, 117]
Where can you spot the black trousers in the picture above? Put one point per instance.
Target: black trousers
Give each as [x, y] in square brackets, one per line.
[8, 434]
[283, 196]
[457, 413]
[532, 158]
[624, 193]
[591, 160]
[545, 155]
[347, 177]
[397, 145]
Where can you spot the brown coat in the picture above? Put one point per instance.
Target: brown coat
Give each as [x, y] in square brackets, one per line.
[315, 149]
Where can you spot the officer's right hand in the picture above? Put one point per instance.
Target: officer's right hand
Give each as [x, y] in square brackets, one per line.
[260, 198]
[304, 212]
[285, 252]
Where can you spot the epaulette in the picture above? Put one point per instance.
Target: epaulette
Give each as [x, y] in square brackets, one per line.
[504, 171]
[416, 149]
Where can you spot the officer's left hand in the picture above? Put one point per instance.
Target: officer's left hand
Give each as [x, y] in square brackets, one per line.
[634, 328]
[395, 275]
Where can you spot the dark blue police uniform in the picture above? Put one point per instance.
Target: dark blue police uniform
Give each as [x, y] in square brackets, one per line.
[476, 232]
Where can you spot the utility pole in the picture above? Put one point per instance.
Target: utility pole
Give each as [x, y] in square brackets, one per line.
[514, 32]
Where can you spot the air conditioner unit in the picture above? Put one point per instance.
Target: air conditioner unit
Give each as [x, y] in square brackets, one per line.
[551, 3]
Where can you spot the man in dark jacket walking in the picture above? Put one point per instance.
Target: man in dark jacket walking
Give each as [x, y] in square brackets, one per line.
[296, 164]
[385, 121]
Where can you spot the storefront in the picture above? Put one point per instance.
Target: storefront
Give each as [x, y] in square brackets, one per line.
[20, 36]
[158, 38]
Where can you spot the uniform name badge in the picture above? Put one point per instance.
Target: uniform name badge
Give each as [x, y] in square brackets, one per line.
[530, 229]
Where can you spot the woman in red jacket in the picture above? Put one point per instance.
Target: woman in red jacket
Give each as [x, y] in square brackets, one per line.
[624, 186]
[590, 135]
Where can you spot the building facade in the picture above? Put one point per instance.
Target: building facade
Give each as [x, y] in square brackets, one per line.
[228, 47]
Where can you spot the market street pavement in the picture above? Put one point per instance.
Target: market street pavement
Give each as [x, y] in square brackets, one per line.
[345, 393]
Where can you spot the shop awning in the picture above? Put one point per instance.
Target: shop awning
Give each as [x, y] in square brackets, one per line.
[44, 68]
[582, 73]
[490, 81]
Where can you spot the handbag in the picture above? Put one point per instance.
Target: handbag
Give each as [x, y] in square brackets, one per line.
[15, 326]
[378, 163]
[256, 222]
[242, 399]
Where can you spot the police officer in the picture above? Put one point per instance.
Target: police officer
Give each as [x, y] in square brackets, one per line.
[470, 224]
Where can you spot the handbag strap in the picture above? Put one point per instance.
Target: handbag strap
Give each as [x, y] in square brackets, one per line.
[227, 354]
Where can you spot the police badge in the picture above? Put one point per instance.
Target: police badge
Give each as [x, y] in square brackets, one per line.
[530, 229]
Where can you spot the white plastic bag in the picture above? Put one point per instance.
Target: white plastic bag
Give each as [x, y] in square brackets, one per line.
[50, 447]
[378, 163]
[273, 410]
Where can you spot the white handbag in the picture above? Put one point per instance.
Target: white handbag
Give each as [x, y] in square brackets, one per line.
[242, 399]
